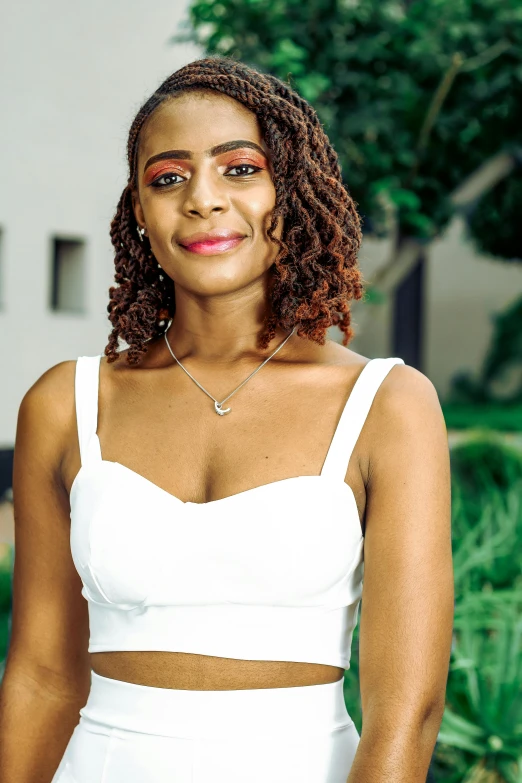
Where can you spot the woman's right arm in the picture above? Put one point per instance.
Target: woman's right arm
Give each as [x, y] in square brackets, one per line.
[47, 674]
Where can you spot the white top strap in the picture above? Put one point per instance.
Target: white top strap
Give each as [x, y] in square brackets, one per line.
[354, 415]
[86, 398]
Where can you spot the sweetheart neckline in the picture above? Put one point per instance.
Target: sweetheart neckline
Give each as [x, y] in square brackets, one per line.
[217, 500]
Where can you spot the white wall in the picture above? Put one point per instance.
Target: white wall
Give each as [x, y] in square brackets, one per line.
[72, 76]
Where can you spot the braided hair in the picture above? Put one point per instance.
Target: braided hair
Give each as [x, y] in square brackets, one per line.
[315, 273]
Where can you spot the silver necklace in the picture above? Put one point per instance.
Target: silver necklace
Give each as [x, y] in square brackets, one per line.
[218, 405]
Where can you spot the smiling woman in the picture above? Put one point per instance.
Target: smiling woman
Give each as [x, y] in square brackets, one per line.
[280, 169]
[189, 582]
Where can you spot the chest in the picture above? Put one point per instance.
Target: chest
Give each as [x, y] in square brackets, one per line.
[172, 436]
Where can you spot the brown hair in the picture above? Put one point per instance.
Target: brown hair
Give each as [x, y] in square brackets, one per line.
[315, 273]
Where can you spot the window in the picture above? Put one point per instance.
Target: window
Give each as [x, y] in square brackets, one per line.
[68, 273]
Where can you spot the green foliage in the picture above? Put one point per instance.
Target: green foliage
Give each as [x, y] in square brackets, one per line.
[481, 732]
[484, 555]
[482, 464]
[6, 564]
[480, 740]
[493, 416]
[486, 494]
[414, 94]
[6, 568]
[5, 618]
[351, 690]
[495, 221]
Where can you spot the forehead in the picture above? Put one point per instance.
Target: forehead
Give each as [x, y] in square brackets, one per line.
[197, 122]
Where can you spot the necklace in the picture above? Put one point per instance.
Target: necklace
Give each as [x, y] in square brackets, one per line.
[218, 405]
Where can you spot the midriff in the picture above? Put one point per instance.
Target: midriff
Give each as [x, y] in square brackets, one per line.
[189, 671]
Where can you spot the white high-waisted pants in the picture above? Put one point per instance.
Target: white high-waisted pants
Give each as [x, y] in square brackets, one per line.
[131, 733]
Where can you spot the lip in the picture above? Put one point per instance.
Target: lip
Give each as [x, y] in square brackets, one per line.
[213, 247]
[215, 235]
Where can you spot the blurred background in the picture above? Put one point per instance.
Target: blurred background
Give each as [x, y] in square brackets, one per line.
[422, 99]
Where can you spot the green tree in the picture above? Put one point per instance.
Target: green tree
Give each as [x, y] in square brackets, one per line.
[415, 95]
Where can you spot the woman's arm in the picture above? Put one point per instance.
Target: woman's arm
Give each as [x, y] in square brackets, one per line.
[407, 601]
[47, 675]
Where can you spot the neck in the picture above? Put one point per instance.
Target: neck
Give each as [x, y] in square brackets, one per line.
[220, 337]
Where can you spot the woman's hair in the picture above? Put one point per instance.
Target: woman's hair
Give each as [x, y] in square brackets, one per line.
[315, 273]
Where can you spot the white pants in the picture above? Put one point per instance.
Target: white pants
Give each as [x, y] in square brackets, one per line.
[131, 733]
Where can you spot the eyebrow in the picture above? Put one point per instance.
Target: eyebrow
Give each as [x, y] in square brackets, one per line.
[211, 153]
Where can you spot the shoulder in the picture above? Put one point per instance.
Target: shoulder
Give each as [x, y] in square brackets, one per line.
[51, 389]
[48, 407]
[406, 394]
[407, 420]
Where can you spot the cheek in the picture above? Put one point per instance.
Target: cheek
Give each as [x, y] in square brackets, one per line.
[258, 208]
[160, 220]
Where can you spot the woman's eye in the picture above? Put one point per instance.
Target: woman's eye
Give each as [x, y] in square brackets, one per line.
[172, 178]
[244, 166]
[165, 180]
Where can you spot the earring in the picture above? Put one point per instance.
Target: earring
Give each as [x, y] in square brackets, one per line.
[141, 232]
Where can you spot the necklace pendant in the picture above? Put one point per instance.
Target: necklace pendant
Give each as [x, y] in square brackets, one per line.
[220, 410]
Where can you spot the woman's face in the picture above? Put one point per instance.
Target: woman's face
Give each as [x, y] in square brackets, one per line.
[203, 167]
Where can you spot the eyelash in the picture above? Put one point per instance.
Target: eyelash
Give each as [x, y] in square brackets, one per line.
[156, 182]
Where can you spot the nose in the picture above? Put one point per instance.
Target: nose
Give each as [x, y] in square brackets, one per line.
[204, 195]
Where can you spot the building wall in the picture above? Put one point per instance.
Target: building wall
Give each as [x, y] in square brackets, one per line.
[72, 76]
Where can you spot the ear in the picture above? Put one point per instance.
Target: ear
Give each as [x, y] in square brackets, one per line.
[137, 209]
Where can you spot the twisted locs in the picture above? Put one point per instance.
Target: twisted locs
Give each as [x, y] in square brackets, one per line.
[315, 273]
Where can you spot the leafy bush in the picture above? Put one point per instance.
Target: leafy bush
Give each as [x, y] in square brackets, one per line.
[480, 740]
[481, 465]
[492, 416]
[481, 733]
[486, 477]
[6, 567]
[351, 690]
[486, 555]
[6, 563]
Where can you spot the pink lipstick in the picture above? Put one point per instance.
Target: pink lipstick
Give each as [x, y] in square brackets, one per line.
[210, 243]
[210, 248]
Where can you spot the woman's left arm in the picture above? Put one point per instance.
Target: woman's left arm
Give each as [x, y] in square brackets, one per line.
[407, 601]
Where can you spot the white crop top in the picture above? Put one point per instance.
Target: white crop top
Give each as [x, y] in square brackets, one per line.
[272, 573]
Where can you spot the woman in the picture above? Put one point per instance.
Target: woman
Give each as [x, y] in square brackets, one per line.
[221, 486]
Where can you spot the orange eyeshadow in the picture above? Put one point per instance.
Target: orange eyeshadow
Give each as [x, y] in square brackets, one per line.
[236, 158]
[161, 168]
